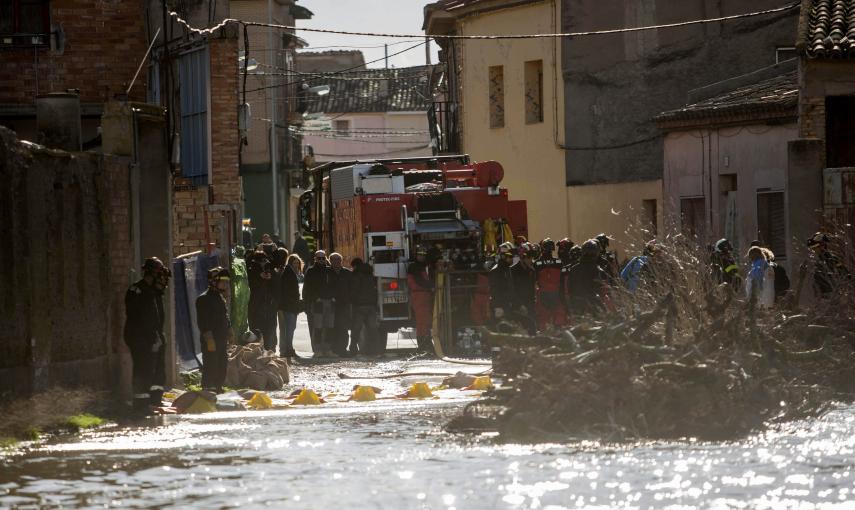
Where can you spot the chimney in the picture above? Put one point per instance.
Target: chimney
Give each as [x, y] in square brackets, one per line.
[58, 120]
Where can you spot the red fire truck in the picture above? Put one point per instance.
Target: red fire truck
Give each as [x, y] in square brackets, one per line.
[382, 210]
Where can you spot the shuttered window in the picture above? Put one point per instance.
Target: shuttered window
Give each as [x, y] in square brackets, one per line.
[771, 222]
[193, 69]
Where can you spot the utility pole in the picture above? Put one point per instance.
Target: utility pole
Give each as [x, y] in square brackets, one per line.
[427, 51]
[273, 149]
[386, 53]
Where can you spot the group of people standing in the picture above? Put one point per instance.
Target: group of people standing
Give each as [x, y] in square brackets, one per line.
[340, 302]
[530, 285]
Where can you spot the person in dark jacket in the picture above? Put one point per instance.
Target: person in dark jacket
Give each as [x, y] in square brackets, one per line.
[144, 334]
[829, 271]
[503, 295]
[340, 283]
[724, 265]
[289, 304]
[587, 282]
[525, 286]
[215, 331]
[320, 307]
[262, 298]
[363, 292]
[301, 248]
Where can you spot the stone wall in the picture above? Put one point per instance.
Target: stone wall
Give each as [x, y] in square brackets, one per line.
[64, 266]
[615, 84]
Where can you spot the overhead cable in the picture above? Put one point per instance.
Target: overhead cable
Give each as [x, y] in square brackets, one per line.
[225, 22]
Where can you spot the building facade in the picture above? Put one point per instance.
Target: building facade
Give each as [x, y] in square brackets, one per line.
[368, 113]
[725, 159]
[271, 95]
[505, 98]
[615, 84]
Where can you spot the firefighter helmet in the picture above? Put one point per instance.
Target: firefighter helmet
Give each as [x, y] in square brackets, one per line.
[547, 246]
[564, 245]
[723, 246]
[603, 241]
[506, 249]
[590, 249]
[155, 268]
[529, 250]
[421, 250]
[818, 239]
[216, 274]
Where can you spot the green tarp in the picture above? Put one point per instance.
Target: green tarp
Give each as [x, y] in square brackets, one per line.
[240, 298]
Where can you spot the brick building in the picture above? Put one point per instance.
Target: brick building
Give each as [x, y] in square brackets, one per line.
[52, 46]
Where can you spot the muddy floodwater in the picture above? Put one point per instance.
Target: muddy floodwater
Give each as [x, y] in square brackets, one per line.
[394, 454]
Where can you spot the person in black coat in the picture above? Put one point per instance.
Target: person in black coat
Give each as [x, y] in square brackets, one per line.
[320, 307]
[363, 292]
[301, 248]
[340, 285]
[215, 329]
[587, 282]
[262, 298]
[144, 334]
[503, 295]
[290, 305]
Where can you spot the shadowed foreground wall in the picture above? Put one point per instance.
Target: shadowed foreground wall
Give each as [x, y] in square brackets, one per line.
[64, 265]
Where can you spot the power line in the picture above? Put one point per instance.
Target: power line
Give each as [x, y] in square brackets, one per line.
[342, 70]
[229, 21]
[310, 48]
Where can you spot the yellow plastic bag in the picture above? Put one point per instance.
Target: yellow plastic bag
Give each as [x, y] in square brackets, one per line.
[481, 383]
[363, 394]
[260, 401]
[307, 398]
[419, 390]
[201, 405]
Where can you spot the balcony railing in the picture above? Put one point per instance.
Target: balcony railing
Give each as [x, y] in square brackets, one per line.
[444, 127]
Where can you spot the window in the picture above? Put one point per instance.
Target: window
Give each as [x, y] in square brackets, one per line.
[784, 53]
[193, 73]
[497, 96]
[24, 23]
[693, 217]
[650, 215]
[341, 127]
[771, 222]
[534, 91]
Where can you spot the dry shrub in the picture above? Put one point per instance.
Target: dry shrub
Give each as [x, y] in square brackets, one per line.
[681, 357]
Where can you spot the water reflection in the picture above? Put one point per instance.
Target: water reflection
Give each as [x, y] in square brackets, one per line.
[382, 457]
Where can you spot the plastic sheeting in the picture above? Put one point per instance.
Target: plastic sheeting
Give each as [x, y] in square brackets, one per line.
[191, 280]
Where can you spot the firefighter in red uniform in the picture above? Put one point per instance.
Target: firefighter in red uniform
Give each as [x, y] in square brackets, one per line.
[421, 298]
[549, 307]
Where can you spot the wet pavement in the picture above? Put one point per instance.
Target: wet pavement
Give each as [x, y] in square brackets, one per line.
[393, 453]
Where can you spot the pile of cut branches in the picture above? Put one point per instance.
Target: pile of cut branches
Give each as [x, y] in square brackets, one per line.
[700, 361]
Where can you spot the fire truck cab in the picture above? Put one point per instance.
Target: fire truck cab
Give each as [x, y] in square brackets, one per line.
[382, 210]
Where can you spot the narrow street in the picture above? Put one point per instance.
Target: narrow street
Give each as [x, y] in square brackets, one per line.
[394, 453]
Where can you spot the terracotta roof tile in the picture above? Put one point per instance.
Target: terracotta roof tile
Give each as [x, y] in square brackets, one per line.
[377, 90]
[830, 28]
[777, 96]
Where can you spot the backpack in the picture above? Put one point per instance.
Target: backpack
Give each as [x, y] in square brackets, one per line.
[782, 281]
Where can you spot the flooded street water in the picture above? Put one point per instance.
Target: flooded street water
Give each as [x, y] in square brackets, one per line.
[394, 454]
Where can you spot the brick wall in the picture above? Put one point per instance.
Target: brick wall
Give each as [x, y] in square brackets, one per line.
[103, 44]
[224, 120]
[191, 203]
